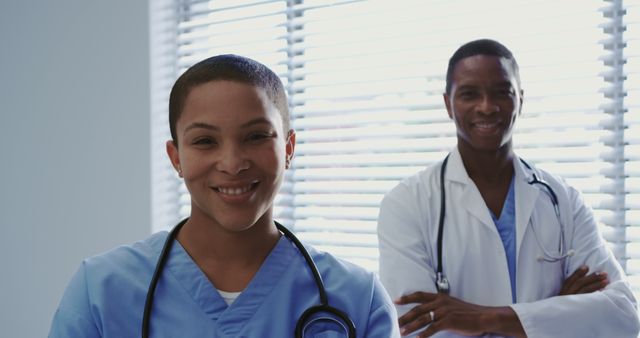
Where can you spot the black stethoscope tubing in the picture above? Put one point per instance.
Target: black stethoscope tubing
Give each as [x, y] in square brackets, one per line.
[320, 308]
[442, 283]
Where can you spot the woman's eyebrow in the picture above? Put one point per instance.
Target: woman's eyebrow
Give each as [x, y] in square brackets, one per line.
[201, 125]
[259, 120]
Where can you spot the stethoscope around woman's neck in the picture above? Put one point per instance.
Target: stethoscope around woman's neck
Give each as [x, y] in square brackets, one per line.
[344, 321]
[442, 283]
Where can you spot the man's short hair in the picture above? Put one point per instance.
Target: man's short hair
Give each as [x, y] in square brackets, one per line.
[227, 67]
[479, 47]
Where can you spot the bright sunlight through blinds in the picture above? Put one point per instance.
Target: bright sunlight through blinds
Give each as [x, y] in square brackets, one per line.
[365, 82]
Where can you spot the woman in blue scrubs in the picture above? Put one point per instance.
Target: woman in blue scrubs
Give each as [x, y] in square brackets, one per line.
[229, 272]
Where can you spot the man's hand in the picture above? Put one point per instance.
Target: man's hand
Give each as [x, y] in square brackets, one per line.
[580, 282]
[454, 315]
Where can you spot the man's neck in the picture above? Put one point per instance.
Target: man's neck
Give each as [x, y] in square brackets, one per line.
[488, 166]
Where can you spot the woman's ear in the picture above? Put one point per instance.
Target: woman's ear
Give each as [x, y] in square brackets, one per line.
[290, 147]
[174, 156]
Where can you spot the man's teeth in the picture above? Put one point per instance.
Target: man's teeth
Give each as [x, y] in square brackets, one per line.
[486, 125]
[234, 191]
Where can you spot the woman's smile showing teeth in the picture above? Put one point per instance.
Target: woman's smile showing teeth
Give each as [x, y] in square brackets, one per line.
[235, 193]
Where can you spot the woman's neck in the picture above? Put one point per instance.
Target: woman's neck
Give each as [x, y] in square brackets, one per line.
[229, 259]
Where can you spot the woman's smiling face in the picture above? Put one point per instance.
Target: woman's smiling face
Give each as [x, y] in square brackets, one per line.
[232, 152]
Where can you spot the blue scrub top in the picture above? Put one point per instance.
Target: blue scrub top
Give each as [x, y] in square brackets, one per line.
[106, 296]
[506, 226]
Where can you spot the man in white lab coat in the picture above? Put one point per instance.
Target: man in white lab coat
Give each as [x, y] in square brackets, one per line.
[520, 252]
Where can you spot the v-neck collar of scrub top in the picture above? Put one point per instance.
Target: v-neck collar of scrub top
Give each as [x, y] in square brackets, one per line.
[234, 317]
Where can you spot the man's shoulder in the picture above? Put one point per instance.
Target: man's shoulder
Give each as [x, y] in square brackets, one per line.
[417, 182]
[556, 181]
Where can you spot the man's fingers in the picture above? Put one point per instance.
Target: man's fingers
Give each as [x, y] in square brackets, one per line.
[584, 283]
[598, 285]
[593, 282]
[578, 282]
[438, 325]
[418, 322]
[579, 273]
[569, 286]
[414, 314]
[416, 297]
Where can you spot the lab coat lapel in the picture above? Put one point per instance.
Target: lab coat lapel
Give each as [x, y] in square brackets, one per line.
[470, 199]
[526, 196]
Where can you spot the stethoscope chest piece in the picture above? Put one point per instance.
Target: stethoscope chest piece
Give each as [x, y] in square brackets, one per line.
[442, 283]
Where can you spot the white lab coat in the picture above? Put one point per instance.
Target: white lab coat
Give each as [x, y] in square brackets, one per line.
[474, 258]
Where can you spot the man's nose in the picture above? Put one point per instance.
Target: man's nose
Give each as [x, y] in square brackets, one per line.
[487, 105]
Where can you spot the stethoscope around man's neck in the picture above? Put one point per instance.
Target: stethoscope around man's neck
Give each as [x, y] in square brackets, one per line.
[442, 283]
[344, 321]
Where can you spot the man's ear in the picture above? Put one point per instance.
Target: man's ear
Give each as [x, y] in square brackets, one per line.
[521, 101]
[290, 147]
[174, 156]
[447, 104]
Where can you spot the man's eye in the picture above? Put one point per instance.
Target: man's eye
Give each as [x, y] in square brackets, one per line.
[467, 94]
[505, 92]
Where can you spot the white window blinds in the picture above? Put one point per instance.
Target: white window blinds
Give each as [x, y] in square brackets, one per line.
[631, 127]
[365, 82]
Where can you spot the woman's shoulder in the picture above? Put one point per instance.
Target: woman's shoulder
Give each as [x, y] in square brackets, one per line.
[96, 291]
[128, 254]
[333, 268]
[124, 263]
[351, 284]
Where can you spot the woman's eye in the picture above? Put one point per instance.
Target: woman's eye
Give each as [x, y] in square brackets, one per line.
[254, 137]
[204, 141]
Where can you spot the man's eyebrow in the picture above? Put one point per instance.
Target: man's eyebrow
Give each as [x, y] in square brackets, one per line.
[504, 84]
[202, 126]
[466, 86]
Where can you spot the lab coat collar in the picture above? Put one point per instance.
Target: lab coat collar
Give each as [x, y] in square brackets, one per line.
[525, 194]
[471, 199]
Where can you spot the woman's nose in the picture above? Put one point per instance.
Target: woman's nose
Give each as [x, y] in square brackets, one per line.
[232, 160]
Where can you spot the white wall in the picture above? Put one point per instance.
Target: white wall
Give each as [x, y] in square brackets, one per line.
[74, 145]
